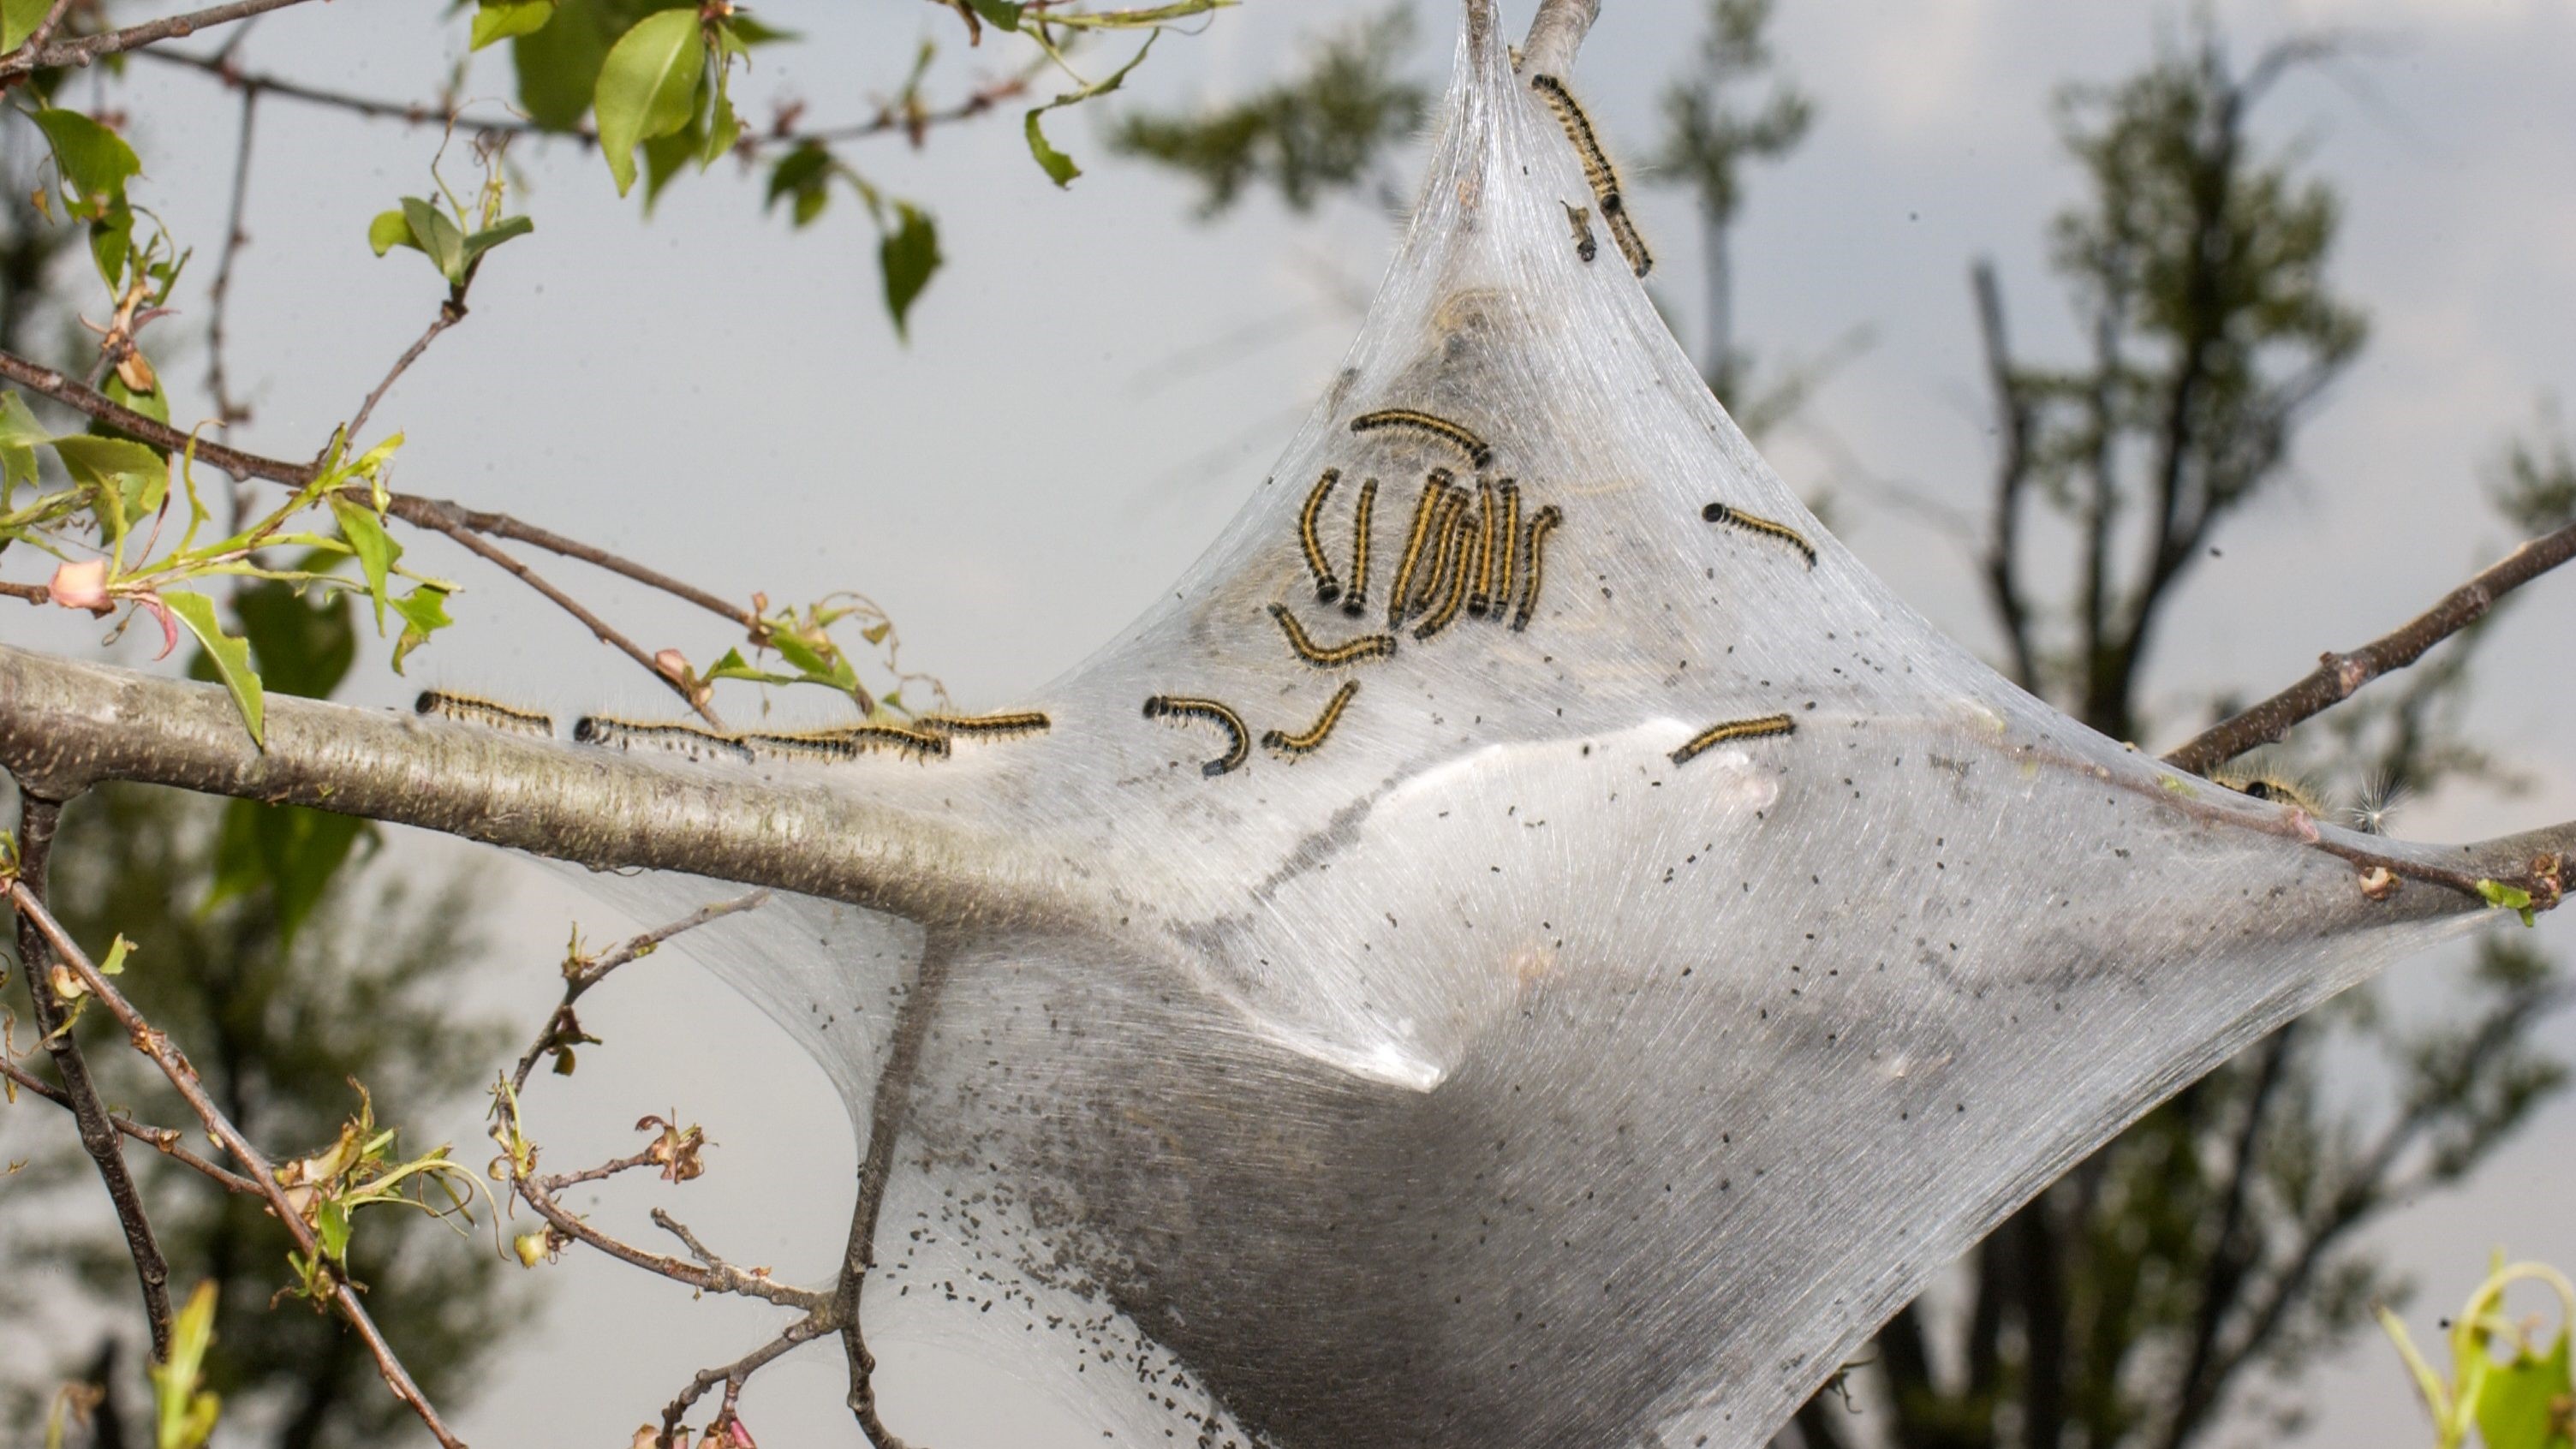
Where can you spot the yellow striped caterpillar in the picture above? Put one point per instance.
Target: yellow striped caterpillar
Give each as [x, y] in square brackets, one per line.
[1313, 735]
[1327, 588]
[1455, 566]
[920, 742]
[1735, 729]
[1507, 535]
[1754, 523]
[808, 745]
[1454, 434]
[1355, 602]
[988, 726]
[1487, 516]
[1239, 743]
[473, 709]
[1541, 525]
[694, 742]
[1443, 552]
[1425, 509]
[848, 742]
[1597, 171]
[1366, 646]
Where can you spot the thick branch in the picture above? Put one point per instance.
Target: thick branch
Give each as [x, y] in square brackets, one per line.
[90, 47]
[2338, 676]
[1556, 32]
[886, 1118]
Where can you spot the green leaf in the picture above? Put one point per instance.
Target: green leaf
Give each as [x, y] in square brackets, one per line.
[436, 234]
[2523, 1404]
[154, 405]
[331, 1230]
[375, 548]
[20, 434]
[734, 666]
[723, 128]
[648, 86]
[2505, 897]
[663, 158]
[19, 19]
[389, 230]
[231, 658]
[113, 963]
[558, 66]
[804, 174]
[111, 243]
[127, 480]
[94, 161]
[908, 255]
[746, 32]
[508, 228]
[183, 1415]
[304, 641]
[1000, 14]
[1137, 19]
[496, 20]
[424, 612]
[1058, 166]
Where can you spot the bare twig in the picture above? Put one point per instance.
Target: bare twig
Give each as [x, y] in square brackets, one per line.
[581, 975]
[166, 1140]
[733, 1375]
[31, 57]
[32, 593]
[37, 817]
[450, 312]
[716, 1276]
[2338, 676]
[228, 410]
[165, 1054]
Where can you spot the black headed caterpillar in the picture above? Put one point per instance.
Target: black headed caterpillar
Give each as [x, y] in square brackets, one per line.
[1367, 646]
[2276, 789]
[1444, 552]
[1356, 601]
[490, 714]
[1542, 523]
[695, 742]
[847, 742]
[1507, 538]
[825, 745]
[1734, 729]
[1597, 171]
[1239, 743]
[1327, 588]
[925, 743]
[1488, 516]
[1580, 219]
[1457, 565]
[1754, 523]
[1455, 435]
[986, 726]
[1314, 735]
[1424, 510]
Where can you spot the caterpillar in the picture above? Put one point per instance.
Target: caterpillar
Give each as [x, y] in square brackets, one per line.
[1433, 491]
[848, 742]
[1580, 219]
[989, 726]
[1443, 551]
[1542, 523]
[1327, 588]
[811, 745]
[1367, 646]
[1597, 171]
[1454, 568]
[695, 742]
[1174, 706]
[1507, 533]
[1355, 602]
[1736, 729]
[2275, 788]
[491, 714]
[923, 742]
[1482, 597]
[1313, 736]
[1455, 435]
[1754, 523]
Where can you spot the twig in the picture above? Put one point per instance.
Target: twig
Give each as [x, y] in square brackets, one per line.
[37, 817]
[1555, 33]
[886, 1115]
[43, 35]
[32, 593]
[31, 57]
[165, 1140]
[220, 294]
[717, 1276]
[2338, 676]
[580, 976]
[733, 1375]
[450, 312]
[156, 1044]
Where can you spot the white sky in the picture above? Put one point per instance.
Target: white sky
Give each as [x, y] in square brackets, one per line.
[1070, 424]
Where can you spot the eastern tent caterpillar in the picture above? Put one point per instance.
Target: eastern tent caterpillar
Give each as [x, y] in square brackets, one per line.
[1455, 566]
[1541, 525]
[2276, 789]
[989, 726]
[1356, 601]
[695, 742]
[1327, 588]
[811, 745]
[1367, 646]
[1298, 744]
[1736, 729]
[1487, 515]
[1597, 171]
[1507, 535]
[1443, 551]
[473, 709]
[1239, 743]
[921, 742]
[1424, 508]
[1754, 523]
[1455, 435]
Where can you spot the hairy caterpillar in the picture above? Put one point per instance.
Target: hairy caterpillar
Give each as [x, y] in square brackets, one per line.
[1507, 534]
[1454, 568]
[1239, 743]
[810, 745]
[1327, 588]
[846, 742]
[1443, 551]
[990, 726]
[1754, 523]
[1298, 744]
[1541, 525]
[1597, 171]
[1425, 508]
[1737, 729]
[921, 742]
[2278, 789]
[695, 742]
[490, 714]
[1356, 601]
[1367, 646]
[1487, 515]
[1455, 435]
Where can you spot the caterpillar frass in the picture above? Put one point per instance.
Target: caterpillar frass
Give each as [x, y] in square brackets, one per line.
[1542, 523]
[1425, 509]
[1736, 729]
[1754, 523]
[1355, 600]
[1598, 173]
[986, 726]
[1454, 569]
[695, 742]
[1474, 448]
[1327, 588]
[1367, 646]
[491, 714]
[1488, 515]
[1579, 218]
[1314, 735]
[1238, 742]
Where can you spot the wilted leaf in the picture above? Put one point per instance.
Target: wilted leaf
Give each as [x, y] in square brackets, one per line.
[1058, 166]
[648, 87]
[231, 658]
[908, 255]
[424, 612]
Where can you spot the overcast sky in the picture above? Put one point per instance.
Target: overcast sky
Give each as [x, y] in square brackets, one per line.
[1095, 382]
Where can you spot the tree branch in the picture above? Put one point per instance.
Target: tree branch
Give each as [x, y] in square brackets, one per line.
[450, 312]
[31, 57]
[580, 975]
[228, 410]
[155, 1044]
[166, 1140]
[1556, 32]
[38, 814]
[2338, 677]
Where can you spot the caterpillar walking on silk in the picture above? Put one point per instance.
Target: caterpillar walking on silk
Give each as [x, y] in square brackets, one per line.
[1313, 736]
[1177, 706]
[1366, 646]
[1456, 435]
[1355, 601]
[491, 714]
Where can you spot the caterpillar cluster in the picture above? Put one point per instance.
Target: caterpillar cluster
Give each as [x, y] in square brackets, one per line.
[1597, 173]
